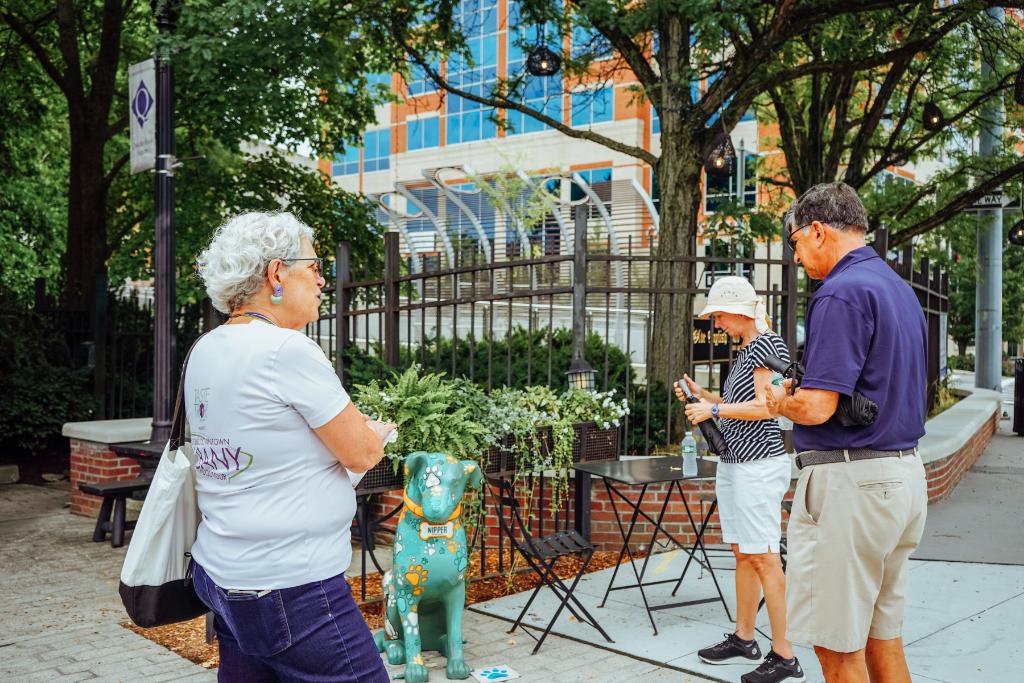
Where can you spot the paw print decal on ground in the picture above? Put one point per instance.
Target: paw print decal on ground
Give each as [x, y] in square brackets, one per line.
[495, 673]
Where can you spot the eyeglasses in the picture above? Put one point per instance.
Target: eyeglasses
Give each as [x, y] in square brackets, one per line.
[318, 264]
[789, 237]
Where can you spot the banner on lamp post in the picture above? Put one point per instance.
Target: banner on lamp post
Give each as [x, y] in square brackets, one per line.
[142, 115]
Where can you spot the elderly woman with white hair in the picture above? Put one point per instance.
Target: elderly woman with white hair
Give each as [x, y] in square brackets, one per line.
[752, 479]
[278, 444]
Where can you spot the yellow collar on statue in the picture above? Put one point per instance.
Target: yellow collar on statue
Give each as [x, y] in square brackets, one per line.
[418, 510]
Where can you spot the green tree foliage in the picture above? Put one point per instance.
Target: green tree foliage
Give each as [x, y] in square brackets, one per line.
[284, 74]
[856, 123]
[741, 50]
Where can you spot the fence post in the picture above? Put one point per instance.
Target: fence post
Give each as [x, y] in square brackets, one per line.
[342, 276]
[391, 273]
[581, 490]
[881, 243]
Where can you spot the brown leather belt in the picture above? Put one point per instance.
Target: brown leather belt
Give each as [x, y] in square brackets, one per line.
[806, 458]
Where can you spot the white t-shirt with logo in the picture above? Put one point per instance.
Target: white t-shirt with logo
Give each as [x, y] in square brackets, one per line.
[276, 505]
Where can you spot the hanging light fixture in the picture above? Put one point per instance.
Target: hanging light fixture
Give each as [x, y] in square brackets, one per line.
[543, 62]
[932, 117]
[720, 160]
[1018, 87]
[1016, 235]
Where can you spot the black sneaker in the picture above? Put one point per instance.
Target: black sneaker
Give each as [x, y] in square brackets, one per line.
[732, 649]
[775, 669]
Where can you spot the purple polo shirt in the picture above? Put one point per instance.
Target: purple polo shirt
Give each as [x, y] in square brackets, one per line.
[866, 332]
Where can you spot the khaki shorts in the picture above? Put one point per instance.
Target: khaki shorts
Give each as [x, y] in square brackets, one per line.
[853, 527]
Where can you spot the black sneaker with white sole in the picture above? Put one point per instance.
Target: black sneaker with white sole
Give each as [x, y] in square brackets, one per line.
[775, 669]
[731, 650]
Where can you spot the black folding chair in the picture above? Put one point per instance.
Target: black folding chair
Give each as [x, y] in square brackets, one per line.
[541, 554]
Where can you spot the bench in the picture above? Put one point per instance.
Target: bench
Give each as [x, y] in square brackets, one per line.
[114, 494]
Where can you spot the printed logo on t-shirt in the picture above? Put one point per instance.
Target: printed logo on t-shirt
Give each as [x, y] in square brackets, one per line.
[218, 459]
[202, 402]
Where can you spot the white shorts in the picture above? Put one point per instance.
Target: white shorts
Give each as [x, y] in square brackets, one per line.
[750, 502]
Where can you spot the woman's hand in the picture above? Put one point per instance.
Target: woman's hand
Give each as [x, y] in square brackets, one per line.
[696, 389]
[382, 429]
[698, 412]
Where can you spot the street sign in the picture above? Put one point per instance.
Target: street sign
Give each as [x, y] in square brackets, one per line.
[142, 115]
[996, 200]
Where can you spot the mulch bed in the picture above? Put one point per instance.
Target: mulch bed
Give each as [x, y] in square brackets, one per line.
[188, 639]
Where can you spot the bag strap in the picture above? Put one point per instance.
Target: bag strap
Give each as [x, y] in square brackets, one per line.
[178, 421]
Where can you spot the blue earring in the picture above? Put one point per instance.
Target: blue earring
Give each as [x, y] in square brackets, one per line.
[277, 295]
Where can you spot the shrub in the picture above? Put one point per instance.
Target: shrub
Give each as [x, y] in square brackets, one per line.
[41, 389]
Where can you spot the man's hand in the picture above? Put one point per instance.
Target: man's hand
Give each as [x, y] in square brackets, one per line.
[773, 397]
[698, 412]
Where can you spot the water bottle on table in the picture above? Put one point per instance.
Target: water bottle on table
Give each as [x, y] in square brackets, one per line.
[689, 453]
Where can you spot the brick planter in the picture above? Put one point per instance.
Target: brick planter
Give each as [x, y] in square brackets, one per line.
[93, 461]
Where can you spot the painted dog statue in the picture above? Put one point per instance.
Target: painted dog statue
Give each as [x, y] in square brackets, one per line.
[425, 591]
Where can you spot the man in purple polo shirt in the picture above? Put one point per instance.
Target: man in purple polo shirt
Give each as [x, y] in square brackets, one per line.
[861, 499]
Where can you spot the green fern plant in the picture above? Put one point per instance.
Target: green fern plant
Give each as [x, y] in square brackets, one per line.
[432, 414]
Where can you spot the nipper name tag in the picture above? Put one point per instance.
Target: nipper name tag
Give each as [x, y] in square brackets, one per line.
[428, 530]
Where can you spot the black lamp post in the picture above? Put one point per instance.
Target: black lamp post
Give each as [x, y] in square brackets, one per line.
[720, 160]
[1016, 235]
[581, 375]
[543, 62]
[166, 13]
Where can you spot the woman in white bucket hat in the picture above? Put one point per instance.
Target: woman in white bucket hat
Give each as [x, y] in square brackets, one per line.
[752, 479]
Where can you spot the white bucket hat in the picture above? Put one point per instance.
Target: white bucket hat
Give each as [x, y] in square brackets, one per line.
[734, 294]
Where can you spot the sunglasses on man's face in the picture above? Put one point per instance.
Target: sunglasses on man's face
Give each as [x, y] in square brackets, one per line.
[317, 266]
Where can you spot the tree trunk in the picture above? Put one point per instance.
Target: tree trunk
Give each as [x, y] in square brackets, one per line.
[679, 181]
[961, 346]
[84, 261]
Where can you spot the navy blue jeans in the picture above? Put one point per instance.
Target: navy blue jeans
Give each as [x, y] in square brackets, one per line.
[312, 632]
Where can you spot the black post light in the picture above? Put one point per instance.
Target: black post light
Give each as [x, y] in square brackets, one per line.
[933, 118]
[720, 160]
[580, 375]
[543, 62]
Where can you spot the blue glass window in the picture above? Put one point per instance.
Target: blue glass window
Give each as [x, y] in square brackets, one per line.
[467, 120]
[599, 179]
[419, 82]
[590, 41]
[377, 150]
[346, 162]
[423, 133]
[541, 93]
[592, 106]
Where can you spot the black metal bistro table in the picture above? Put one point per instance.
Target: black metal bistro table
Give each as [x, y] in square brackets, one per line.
[644, 472]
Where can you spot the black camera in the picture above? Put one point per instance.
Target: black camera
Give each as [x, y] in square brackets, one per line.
[853, 411]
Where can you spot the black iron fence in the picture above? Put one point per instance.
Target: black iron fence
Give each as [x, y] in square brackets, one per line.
[508, 323]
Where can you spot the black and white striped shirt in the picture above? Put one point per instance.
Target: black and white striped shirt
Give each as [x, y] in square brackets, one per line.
[751, 439]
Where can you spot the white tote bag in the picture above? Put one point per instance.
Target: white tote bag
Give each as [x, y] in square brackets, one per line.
[156, 580]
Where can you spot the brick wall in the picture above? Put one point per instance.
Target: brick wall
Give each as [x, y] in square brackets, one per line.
[942, 476]
[94, 462]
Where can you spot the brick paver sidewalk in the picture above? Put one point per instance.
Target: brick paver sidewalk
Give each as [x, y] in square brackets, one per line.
[62, 616]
